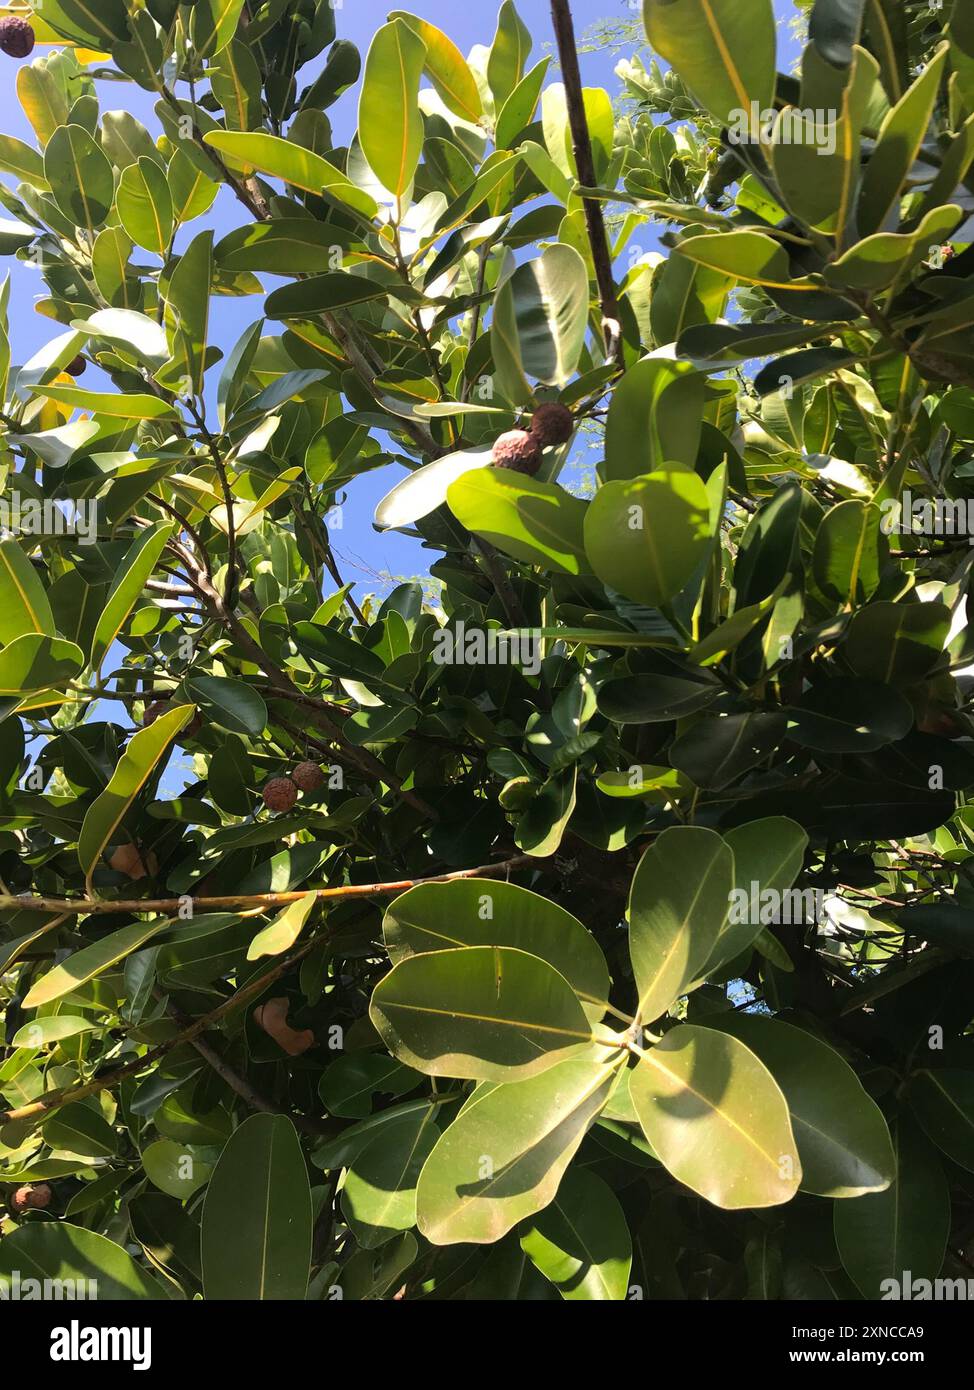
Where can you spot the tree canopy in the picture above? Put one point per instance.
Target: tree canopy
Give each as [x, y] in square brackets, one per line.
[592, 917]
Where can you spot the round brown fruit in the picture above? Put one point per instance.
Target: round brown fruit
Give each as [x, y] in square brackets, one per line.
[76, 367]
[32, 1197]
[279, 794]
[153, 711]
[552, 423]
[308, 777]
[16, 37]
[518, 451]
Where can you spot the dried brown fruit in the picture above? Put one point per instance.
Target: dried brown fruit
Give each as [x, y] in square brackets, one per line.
[16, 37]
[153, 711]
[308, 777]
[76, 367]
[518, 451]
[552, 423]
[32, 1197]
[280, 794]
[272, 1017]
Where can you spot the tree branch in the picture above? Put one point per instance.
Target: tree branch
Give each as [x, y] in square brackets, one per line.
[80, 906]
[561, 16]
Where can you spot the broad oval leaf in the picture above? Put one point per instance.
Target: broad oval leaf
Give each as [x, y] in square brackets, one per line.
[843, 1140]
[257, 1219]
[36, 662]
[533, 521]
[678, 903]
[726, 54]
[645, 538]
[488, 1013]
[580, 1242]
[716, 1118]
[60, 1251]
[545, 304]
[389, 119]
[503, 1157]
[445, 916]
[884, 1234]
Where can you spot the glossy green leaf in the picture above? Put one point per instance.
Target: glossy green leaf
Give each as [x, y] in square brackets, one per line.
[678, 902]
[581, 1242]
[90, 961]
[489, 1013]
[645, 538]
[445, 916]
[446, 68]
[144, 205]
[884, 1234]
[136, 568]
[843, 1140]
[654, 418]
[24, 605]
[503, 1157]
[943, 1102]
[725, 54]
[285, 160]
[531, 520]
[390, 121]
[136, 765]
[281, 934]
[541, 314]
[717, 1119]
[257, 1219]
[58, 1250]
[379, 1190]
[35, 662]
[81, 178]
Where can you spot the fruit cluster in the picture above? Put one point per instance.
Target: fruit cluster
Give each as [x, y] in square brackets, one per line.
[520, 450]
[280, 793]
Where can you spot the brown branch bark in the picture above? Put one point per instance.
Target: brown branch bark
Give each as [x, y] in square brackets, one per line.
[561, 15]
[80, 906]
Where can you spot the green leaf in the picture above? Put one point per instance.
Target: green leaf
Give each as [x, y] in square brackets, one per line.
[645, 538]
[943, 1103]
[337, 290]
[187, 316]
[849, 551]
[90, 961]
[726, 54]
[257, 1219]
[280, 935]
[678, 902]
[843, 1140]
[768, 857]
[503, 1157]
[900, 138]
[144, 205]
[581, 1241]
[897, 643]
[424, 490]
[80, 1129]
[390, 122]
[230, 704]
[58, 1250]
[136, 568]
[883, 1234]
[443, 916]
[173, 1169]
[531, 520]
[489, 1013]
[42, 1032]
[541, 314]
[214, 23]
[716, 1119]
[508, 54]
[295, 165]
[136, 765]
[81, 178]
[518, 110]
[379, 1190]
[24, 606]
[35, 662]
[129, 330]
[130, 406]
[446, 68]
[751, 258]
[654, 418]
